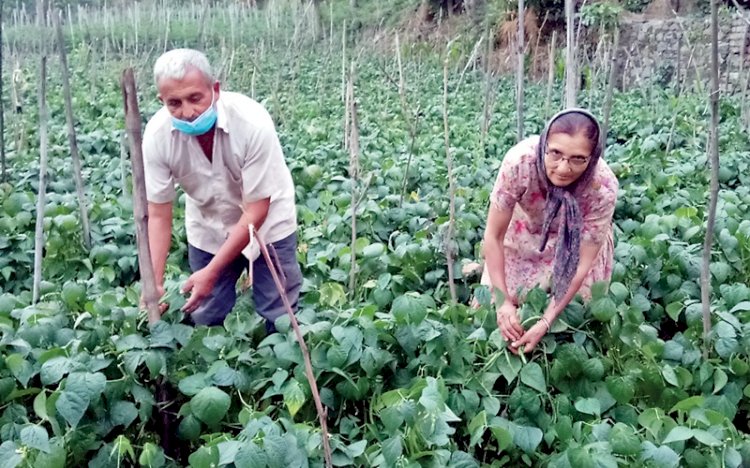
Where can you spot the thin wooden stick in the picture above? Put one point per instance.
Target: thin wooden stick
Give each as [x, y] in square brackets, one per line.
[550, 73]
[353, 174]
[714, 187]
[41, 196]
[611, 83]
[2, 106]
[519, 72]
[322, 413]
[75, 158]
[451, 188]
[571, 74]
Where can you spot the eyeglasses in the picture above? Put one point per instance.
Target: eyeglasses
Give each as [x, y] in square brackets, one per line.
[573, 161]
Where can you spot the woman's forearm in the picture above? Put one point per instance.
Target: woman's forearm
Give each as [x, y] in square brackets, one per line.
[494, 257]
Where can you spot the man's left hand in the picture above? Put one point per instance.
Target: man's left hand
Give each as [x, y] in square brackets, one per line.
[199, 285]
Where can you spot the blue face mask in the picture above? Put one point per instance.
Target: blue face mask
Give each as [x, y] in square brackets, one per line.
[202, 124]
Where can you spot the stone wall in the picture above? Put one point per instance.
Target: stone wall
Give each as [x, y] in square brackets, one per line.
[665, 52]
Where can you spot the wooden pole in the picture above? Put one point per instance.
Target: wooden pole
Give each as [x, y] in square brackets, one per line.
[140, 204]
[571, 72]
[3, 163]
[75, 158]
[550, 73]
[610, 82]
[41, 195]
[353, 174]
[519, 72]
[714, 187]
[449, 254]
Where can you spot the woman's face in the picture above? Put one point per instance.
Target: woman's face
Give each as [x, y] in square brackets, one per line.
[567, 157]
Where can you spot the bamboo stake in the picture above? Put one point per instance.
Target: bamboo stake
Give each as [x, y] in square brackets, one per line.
[714, 187]
[519, 72]
[451, 188]
[75, 158]
[40, 201]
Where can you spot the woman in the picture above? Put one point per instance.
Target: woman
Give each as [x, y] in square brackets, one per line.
[550, 222]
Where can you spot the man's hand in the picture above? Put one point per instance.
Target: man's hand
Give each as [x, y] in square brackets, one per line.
[163, 306]
[199, 285]
[531, 338]
[507, 321]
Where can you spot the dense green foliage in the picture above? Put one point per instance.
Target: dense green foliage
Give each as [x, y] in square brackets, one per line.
[409, 379]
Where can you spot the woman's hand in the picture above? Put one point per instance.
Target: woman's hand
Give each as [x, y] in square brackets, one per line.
[507, 321]
[531, 338]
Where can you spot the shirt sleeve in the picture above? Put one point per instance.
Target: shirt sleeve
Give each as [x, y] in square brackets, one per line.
[599, 210]
[514, 176]
[264, 158]
[159, 178]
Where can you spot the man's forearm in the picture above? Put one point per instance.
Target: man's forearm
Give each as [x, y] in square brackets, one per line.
[239, 236]
[160, 239]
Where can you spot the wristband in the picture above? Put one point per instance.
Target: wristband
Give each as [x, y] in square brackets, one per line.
[546, 322]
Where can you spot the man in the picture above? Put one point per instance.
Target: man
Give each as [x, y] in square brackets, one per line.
[223, 150]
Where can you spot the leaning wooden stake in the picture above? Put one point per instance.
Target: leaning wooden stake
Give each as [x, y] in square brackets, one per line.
[77, 175]
[41, 196]
[322, 414]
[449, 254]
[714, 189]
[353, 174]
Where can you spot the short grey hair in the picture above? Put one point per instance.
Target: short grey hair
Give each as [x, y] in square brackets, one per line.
[175, 63]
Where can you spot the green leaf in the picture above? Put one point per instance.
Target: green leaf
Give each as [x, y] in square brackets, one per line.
[603, 309]
[706, 438]
[409, 308]
[674, 309]
[193, 384]
[509, 365]
[662, 456]
[689, 403]
[189, 428]
[579, 457]
[294, 397]
[533, 376]
[624, 440]
[54, 370]
[527, 438]
[123, 413]
[210, 405]
[720, 380]
[589, 406]
[86, 383]
[9, 456]
[152, 456]
[502, 436]
[392, 449]
[205, 457]
[20, 368]
[477, 426]
[35, 437]
[40, 405]
[678, 434]
[72, 406]
[431, 398]
[461, 459]
[250, 456]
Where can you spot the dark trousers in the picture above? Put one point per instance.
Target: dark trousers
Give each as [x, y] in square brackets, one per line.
[214, 308]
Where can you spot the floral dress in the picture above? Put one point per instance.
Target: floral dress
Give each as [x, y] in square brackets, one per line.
[519, 188]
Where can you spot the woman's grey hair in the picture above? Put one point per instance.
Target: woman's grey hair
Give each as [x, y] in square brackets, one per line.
[175, 63]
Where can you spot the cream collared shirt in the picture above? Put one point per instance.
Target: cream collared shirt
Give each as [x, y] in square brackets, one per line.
[247, 165]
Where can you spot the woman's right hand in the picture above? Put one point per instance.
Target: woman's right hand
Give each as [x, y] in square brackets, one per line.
[508, 322]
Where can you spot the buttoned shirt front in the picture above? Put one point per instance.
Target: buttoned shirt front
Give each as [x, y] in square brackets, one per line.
[247, 165]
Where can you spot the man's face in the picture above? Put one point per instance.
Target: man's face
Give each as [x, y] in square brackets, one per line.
[189, 97]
